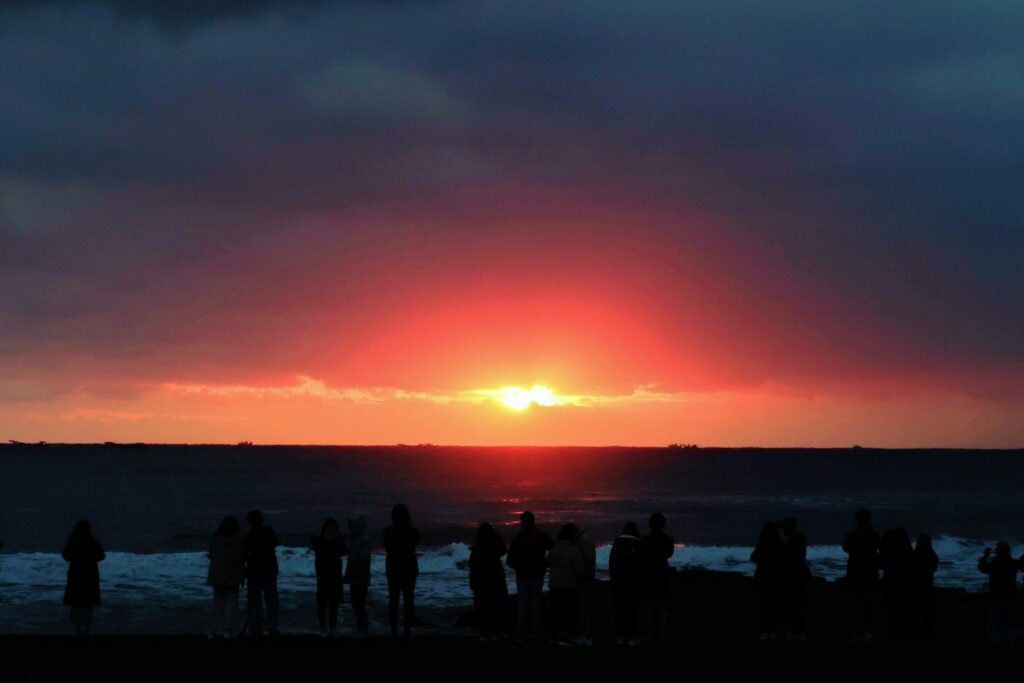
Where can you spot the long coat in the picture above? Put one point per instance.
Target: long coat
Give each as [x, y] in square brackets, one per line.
[83, 556]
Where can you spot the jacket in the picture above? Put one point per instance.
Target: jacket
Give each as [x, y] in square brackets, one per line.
[227, 565]
[566, 565]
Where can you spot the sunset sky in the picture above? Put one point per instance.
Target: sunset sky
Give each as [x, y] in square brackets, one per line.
[790, 223]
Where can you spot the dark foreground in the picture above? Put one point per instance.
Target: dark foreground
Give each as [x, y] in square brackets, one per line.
[298, 658]
[712, 615]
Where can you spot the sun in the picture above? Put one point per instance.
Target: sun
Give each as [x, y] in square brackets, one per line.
[519, 399]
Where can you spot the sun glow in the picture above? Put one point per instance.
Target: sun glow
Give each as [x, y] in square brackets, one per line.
[518, 398]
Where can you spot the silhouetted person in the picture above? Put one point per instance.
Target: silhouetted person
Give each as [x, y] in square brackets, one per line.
[795, 574]
[1002, 586]
[83, 554]
[526, 555]
[626, 567]
[895, 559]
[925, 563]
[357, 573]
[861, 583]
[402, 567]
[566, 563]
[328, 549]
[225, 575]
[487, 581]
[586, 586]
[659, 548]
[768, 581]
[260, 573]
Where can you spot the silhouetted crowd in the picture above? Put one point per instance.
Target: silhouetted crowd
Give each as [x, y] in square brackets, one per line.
[884, 570]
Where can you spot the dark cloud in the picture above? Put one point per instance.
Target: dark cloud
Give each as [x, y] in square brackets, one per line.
[876, 151]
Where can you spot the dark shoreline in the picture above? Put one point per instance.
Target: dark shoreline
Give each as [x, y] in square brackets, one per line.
[713, 621]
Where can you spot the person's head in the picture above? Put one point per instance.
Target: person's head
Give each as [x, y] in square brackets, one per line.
[527, 520]
[568, 533]
[329, 529]
[924, 542]
[769, 532]
[485, 532]
[82, 529]
[400, 515]
[1003, 549]
[228, 526]
[255, 518]
[357, 524]
[863, 518]
[631, 529]
[656, 522]
[789, 526]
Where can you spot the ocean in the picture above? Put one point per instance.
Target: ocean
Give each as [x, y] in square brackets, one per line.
[155, 508]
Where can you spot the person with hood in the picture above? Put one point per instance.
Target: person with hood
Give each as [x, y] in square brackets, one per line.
[225, 575]
[328, 549]
[795, 574]
[1001, 569]
[567, 566]
[258, 547]
[526, 556]
[357, 573]
[83, 554]
[586, 586]
[767, 556]
[487, 581]
[658, 585]
[626, 568]
[925, 563]
[861, 547]
[402, 567]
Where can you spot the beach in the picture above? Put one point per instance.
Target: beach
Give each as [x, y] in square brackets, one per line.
[713, 639]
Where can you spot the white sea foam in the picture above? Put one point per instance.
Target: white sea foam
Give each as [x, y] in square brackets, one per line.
[176, 581]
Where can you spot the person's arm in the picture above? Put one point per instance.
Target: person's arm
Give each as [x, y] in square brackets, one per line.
[670, 545]
[100, 555]
[343, 549]
[415, 537]
[272, 537]
[983, 565]
[755, 556]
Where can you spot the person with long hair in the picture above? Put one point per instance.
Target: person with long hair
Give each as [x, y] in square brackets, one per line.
[225, 575]
[487, 581]
[329, 547]
[83, 554]
[402, 567]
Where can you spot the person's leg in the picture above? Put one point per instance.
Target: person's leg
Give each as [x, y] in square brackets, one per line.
[359, 606]
[253, 600]
[584, 600]
[537, 606]
[76, 619]
[662, 618]
[522, 606]
[795, 607]
[272, 604]
[321, 612]
[393, 596]
[231, 611]
[86, 620]
[217, 627]
[332, 616]
[409, 604]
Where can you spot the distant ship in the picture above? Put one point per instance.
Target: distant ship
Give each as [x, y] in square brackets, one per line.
[114, 444]
[244, 444]
[682, 446]
[40, 444]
